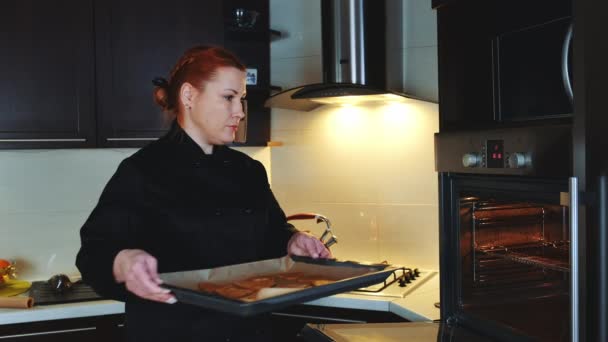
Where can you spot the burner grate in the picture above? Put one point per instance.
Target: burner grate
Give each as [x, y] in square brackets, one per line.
[402, 275]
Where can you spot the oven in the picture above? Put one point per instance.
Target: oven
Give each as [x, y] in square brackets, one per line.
[533, 199]
[508, 232]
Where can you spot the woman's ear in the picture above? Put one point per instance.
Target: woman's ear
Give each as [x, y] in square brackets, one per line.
[187, 94]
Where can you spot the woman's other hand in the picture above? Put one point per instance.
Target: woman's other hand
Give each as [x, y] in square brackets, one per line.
[306, 244]
[138, 270]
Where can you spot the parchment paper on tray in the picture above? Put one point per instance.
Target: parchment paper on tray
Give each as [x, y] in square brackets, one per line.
[344, 275]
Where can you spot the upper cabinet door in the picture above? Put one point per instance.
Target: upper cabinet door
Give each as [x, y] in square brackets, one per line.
[139, 40]
[503, 63]
[47, 74]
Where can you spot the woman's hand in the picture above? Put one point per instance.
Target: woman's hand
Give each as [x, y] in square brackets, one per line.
[138, 270]
[306, 244]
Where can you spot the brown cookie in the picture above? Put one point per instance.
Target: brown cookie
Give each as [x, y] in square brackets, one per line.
[256, 283]
[291, 280]
[208, 287]
[234, 292]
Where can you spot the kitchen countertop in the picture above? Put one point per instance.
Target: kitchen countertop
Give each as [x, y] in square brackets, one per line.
[418, 308]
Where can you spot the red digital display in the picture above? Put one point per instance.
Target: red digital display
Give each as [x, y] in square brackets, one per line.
[495, 153]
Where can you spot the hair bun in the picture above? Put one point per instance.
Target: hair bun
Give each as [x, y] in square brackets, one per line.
[160, 82]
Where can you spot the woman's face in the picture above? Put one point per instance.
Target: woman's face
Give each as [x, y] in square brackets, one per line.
[215, 112]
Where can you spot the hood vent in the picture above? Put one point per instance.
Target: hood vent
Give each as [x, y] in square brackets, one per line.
[354, 58]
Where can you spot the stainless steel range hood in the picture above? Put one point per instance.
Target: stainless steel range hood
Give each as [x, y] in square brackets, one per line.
[354, 53]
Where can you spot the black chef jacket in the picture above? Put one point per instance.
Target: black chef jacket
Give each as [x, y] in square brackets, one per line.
[191, 211]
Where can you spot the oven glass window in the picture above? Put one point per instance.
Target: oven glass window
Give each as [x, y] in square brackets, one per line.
[515, 263]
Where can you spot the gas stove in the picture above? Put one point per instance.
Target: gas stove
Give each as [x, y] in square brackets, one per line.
[398, 285]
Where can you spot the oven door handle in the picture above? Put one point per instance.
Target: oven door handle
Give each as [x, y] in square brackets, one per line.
[572, 202]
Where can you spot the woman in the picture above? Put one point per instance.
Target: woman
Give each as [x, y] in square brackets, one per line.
[184, 202]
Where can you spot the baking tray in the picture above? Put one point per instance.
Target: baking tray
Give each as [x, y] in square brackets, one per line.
[348, 276]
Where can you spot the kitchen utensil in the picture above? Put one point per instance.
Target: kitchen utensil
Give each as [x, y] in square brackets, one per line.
[245, 18]
[327, 234]
[61, 283]
[17, 302]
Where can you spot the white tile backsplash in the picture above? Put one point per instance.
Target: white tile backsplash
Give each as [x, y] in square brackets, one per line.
[295, 71]
[42, 243]
[55, 180]
[46, 196]
[299, 22]
[370, 169]
[419, 24]
[409, 234]
[421, 73]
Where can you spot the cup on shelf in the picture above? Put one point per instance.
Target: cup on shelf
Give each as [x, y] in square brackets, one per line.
[245, 18]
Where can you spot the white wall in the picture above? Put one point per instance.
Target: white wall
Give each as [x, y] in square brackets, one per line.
[45, 197]
[369, 168]
[412, 48]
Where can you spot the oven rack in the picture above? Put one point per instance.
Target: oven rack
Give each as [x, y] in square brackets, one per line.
[547, 255]
[521, 220]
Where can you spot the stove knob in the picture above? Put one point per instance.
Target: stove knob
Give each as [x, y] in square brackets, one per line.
[408, 277]
[402, 282]
[518, 160]
[471, 159]
[416, 272]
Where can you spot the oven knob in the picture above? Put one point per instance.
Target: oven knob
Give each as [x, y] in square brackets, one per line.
[518, 160]
[471, 159]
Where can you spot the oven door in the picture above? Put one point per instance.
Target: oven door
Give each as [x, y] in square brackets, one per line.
[505, 256]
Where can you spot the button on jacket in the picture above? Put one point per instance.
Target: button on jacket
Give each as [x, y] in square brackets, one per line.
[190, 211]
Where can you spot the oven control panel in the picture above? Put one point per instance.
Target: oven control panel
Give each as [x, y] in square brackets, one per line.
[515, 151]
[492, 155]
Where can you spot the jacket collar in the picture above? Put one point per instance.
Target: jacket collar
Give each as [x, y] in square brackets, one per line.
[187, 148]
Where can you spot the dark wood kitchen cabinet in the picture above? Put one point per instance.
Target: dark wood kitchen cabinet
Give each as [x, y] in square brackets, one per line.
[47, 74]
[78, 73]
[93, 329]
[137, 41]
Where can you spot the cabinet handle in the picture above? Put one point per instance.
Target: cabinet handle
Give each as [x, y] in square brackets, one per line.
[131, 139]
[47, 333]
[43, 140]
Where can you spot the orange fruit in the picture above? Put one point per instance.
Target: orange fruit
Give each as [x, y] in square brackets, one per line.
[4, 263]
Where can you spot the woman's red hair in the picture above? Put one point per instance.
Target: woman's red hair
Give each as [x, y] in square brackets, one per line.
[197, 66]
